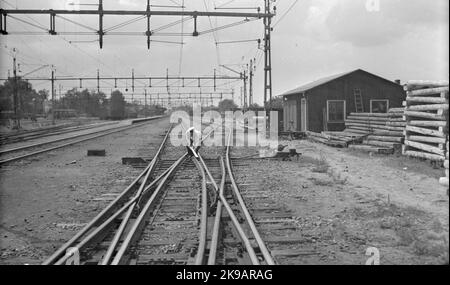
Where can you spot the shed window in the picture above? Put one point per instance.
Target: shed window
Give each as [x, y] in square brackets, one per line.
[336, 111]
[379, 106]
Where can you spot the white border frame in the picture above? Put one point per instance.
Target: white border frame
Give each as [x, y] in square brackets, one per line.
[328, 111]
[387, 104]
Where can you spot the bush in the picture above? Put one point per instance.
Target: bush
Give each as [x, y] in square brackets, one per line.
[117, 105]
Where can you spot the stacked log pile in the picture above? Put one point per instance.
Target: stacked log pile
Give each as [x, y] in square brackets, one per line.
[444, 180]
[426, 116]
[383, 131]
[329, 139]
[373, 132]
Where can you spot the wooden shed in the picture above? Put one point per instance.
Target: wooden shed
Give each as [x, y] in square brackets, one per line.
[323, 105]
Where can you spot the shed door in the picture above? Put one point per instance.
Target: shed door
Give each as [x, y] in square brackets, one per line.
[290, 116]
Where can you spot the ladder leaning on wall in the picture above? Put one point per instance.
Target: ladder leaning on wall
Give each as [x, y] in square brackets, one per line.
[359, 107]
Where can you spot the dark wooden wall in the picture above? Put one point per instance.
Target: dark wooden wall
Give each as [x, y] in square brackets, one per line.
[372, 87]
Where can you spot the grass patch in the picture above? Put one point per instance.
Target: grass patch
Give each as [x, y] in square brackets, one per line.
[339, 180]
[434, 249]
[424, 238]
[407, 236]
[322, 165]
[320, 182]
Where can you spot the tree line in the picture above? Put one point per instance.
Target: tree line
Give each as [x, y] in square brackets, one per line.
[29, 100]
[86, 102]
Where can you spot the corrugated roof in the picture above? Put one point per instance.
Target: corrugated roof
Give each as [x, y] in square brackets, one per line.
[316, 83]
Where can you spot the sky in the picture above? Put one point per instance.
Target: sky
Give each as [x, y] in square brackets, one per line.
[395, 39]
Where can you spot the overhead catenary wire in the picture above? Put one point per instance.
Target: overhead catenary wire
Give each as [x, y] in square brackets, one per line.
[287, 12]
[38, 25]
[69, 42]
[166, 26]
[76, 23]
[78, 48]
[214, 29]
[180, 64]
[24, 42]
[126, 23]
[237, 41]
[28, 23]
[182, 5]
[227, 3]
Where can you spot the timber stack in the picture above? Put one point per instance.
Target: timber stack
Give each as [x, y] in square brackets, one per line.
[426, 116]
[330, 138]
[383, 132]
[444, 180]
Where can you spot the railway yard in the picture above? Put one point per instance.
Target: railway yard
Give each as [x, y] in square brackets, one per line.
[256, 134]
[326, 207]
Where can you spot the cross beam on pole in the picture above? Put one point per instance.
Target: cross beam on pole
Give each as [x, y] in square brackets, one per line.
[184, 93]
[137, 13]
[102, 12]
[149, 78]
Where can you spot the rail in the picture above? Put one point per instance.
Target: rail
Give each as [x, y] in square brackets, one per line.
[102, 133]
[139, 223]
[128, 204]
[101, 222]
[265, 252]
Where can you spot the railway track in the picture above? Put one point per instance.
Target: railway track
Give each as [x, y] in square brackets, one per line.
[23, 134]
[18, 153]
[109, 224]
[235, 238]
[276, 224]
[46, 132]
[182, 209]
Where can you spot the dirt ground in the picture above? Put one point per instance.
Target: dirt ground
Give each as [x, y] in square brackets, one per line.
[346, 201]
[343, 201]
[46, 199]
